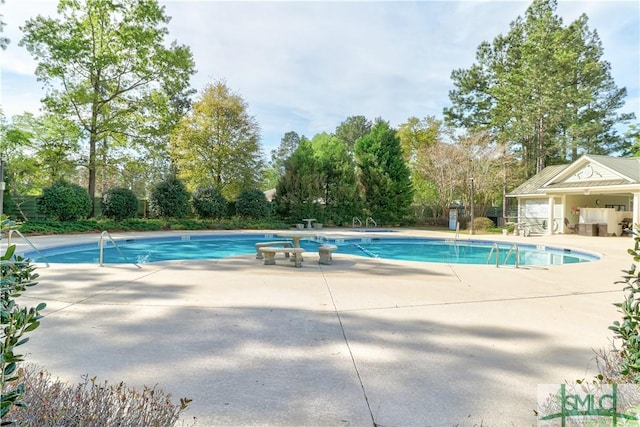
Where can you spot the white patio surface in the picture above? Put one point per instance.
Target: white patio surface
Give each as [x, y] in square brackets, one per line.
[359, 342]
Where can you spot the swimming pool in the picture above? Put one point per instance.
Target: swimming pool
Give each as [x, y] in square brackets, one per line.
[190, 247]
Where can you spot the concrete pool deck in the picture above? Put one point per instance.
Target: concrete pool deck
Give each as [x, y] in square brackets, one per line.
[362, 342]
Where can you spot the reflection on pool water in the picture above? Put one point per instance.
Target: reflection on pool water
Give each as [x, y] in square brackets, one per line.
[189, 247]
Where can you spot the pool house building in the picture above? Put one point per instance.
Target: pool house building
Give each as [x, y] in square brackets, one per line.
[593, 196]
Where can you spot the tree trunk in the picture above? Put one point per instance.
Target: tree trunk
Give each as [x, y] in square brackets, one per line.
[92, 173]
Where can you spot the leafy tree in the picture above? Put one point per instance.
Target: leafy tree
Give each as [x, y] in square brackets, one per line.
[169, 199]
[300, 189]
[37, 152]
[341, 199]
[105, 64]
[218, 143]
[543, 90]
[64, 201]
[252, 204]
[209, 203]
[384, 175]
[416, 138]
[449, 166]
[351, 130]
[119, 203]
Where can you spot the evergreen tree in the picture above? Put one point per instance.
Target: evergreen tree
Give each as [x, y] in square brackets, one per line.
[341, 196]
[383, 174]
[299, 191]
[543, 91]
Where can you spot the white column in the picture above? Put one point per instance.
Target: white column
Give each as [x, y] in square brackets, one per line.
[550, 218]
[636, 212]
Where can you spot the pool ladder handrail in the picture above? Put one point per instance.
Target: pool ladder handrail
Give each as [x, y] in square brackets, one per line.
[101, 245]
[354, 220]
[375, 224]
[28, 242]
[506, 259]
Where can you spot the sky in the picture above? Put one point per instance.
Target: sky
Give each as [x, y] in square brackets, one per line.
[306, 66]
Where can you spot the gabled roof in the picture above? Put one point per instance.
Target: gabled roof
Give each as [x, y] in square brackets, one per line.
[587, 171]
[627, 167]
[534, 185]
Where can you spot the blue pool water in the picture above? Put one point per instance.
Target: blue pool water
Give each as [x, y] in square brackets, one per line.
[190, 247]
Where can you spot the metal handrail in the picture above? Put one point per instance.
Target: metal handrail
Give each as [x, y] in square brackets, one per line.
[506, 258]
[497, 249]
[375, 224]
[28, 242]
[354, 220]
[511, 248]
[101, 245]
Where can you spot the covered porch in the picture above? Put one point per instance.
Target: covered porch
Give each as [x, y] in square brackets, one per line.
[594, 196]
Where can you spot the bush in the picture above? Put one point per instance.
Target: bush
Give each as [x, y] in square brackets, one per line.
[169, 199]
[16, 276]
[89, 403]
[482, 223]
[119, 204]
[209, 203]
[627, 331]
[65, 201]
[252, 204]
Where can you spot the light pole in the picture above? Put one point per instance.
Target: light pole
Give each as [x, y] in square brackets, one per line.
[471, 231]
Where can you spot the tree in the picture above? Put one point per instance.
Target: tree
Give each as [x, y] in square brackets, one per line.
[105, 63]
[4, 41]
[351, 130]
[416, 137]
[288, 145]
[383, 174]
[300, 189]
[37, 152]
[542, 90]
[218, 143]
[341, 199]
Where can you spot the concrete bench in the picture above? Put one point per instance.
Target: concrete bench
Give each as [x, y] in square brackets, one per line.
[325, 251]
[269, 254]
[284, 244]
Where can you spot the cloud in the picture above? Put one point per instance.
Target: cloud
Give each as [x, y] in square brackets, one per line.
[307, 66]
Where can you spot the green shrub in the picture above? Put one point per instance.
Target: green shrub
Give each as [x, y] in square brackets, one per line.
[92, 404]
[16, 275]
[170, 199]
[252, 204]
[482, 223]
[119, 204]
[628, 330]
[64, 201]
[209, 203]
